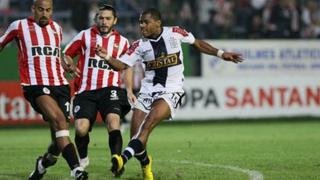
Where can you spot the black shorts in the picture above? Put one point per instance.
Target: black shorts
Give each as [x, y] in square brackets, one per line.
[124, 103]
[106, 100]
[59, 93]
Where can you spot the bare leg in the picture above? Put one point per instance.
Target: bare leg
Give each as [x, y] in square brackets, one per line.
[58, 124]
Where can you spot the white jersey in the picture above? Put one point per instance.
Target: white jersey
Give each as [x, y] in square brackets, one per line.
[162, 60]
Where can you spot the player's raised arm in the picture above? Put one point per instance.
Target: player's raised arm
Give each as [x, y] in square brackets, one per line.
[114, 63]
[9, 35]
[206, 48]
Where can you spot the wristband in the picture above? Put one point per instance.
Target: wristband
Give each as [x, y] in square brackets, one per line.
[220, 53]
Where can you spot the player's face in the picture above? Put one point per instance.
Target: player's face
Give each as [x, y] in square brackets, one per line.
[150, 28]
[42, 12]
[105, 21]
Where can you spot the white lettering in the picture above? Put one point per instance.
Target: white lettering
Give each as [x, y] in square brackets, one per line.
[16, 109]
[3, 107]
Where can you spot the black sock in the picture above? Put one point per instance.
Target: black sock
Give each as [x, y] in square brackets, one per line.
[82, 143]
[115, 142]
[70, 155]
[51, 156]
[135, 146]
[49, 160]
[53, 149]
[142, 157]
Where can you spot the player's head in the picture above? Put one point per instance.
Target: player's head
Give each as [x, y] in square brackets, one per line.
[42, 11]
[106, 18]
[150, 23]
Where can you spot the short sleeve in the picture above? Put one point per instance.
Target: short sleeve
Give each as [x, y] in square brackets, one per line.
[132, 55]
[10, 33]
[74, 46]
[185, 36]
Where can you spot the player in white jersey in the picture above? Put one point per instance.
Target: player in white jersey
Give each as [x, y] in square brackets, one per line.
[161, 92]
[97, 85]
[43, 82]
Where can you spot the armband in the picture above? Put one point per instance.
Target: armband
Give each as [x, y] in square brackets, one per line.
[220, 53]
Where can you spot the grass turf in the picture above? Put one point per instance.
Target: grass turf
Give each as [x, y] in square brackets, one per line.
[192, 150]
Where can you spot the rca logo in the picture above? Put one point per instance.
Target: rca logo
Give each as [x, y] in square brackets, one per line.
[45, 51]
[102, 64]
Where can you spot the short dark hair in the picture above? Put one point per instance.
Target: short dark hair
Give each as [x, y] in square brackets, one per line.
[155, 14]
[108, 7]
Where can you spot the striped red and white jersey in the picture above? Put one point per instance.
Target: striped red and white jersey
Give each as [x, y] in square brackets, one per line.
[39, 52]
[95, 72]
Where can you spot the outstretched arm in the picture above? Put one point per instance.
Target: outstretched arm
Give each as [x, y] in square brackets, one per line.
[206, 48]
[114, 63]
[10, 34]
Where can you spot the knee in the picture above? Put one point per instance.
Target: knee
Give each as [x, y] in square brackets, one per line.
[59, 121]
[113, 122]
[82, 127]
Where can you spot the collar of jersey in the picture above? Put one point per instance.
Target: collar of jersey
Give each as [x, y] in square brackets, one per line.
[157, 38]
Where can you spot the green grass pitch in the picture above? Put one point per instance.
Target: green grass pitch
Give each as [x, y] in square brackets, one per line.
[272, 150]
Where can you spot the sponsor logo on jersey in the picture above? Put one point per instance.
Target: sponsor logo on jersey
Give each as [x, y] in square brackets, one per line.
[173, 42]
[133, 47]
[102, 64]
[164, 61]
[46, 51]
[179, 30]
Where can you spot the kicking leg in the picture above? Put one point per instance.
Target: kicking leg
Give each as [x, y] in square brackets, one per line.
[57, 119]
[160, 110]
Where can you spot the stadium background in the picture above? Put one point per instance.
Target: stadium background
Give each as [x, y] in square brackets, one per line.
[278, 38]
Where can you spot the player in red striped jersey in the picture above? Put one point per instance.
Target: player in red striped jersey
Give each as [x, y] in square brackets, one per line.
[96, 84]
[43, 82]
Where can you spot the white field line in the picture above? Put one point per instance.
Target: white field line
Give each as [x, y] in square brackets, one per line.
[253, 175]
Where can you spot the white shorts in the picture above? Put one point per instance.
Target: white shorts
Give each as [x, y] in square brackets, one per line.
[173, 99]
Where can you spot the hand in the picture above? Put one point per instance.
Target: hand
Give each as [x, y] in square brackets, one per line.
[70, 67]
[233, 57]
[131, 97]
[101, 52]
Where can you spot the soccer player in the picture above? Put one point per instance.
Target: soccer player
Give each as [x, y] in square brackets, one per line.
[43, 82]
[96, 83]
[161, 91]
